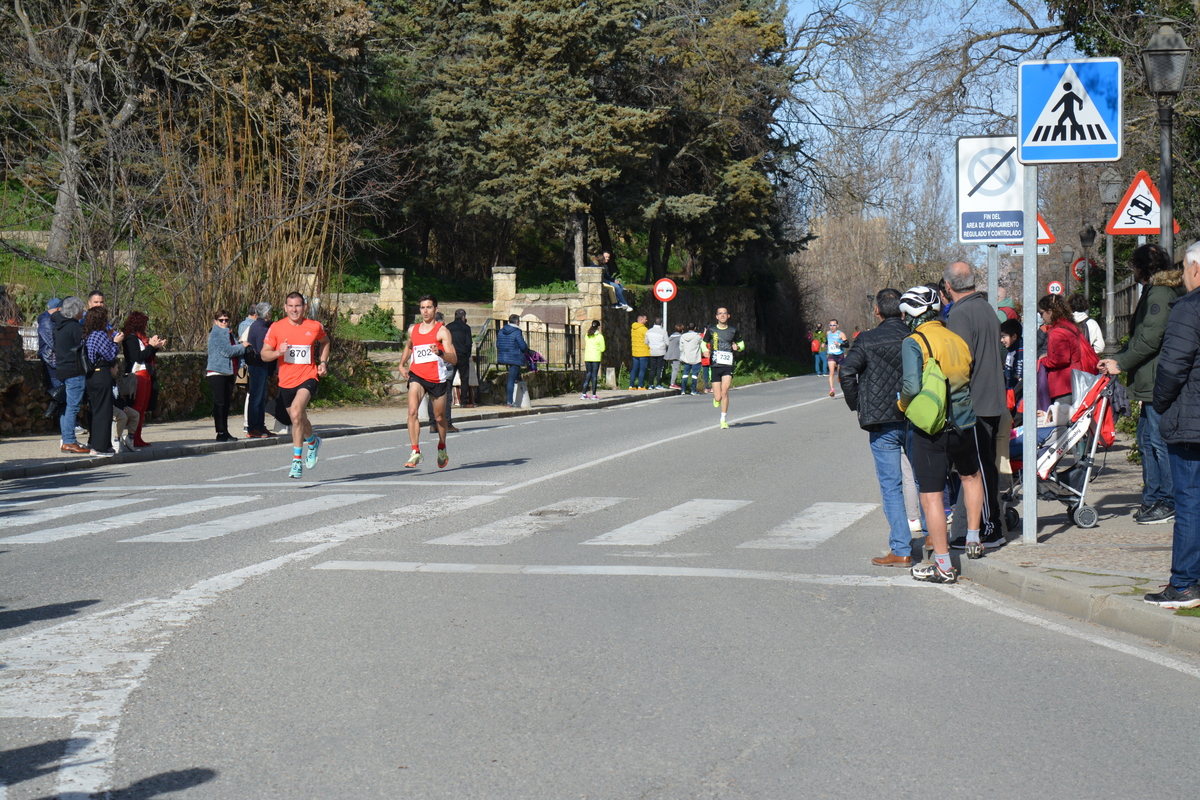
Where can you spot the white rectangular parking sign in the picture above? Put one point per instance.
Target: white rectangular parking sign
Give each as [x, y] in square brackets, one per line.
[991, 190]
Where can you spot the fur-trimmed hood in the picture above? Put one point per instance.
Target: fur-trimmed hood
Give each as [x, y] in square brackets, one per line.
[1168, 277]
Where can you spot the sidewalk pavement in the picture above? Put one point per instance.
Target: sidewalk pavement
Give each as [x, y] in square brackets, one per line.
[1097, 574]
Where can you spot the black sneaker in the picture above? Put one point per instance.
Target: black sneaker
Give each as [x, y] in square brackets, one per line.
[930, 572]
[996, 540]
[1161, 512]
[1175, 598]
[1140, 510]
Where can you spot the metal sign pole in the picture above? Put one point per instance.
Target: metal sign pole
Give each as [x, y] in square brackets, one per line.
[1110, 312]
[993, 279]
[665, 328]
[1029, 384]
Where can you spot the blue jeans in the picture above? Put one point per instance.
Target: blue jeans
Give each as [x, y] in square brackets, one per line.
[256, 391]
[1185, 546]
[619, 291]
[1156, 467]
[887, 445]
[637, 372]
[66, 423]
[514, 374]
[591, 379]
[691, 372]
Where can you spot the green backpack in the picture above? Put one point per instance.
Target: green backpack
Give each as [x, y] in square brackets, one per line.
[928, 409]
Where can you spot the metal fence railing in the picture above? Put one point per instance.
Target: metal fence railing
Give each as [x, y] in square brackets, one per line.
[1125, 299]
[560, 345]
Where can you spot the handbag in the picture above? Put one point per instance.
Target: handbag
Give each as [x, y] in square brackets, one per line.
[127, 385]
[929, 408]
[243, 376]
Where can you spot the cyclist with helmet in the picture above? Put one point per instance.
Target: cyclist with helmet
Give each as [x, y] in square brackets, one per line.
[954, 444]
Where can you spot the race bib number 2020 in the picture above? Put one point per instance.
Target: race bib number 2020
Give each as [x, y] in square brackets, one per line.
[424, 354]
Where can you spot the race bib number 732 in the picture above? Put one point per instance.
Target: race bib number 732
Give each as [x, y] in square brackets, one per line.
[723, 357]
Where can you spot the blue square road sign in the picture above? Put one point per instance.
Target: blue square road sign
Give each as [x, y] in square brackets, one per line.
[1069, 111]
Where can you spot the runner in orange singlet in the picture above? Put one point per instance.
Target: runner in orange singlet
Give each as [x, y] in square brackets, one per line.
[295, 341]
[432, 352]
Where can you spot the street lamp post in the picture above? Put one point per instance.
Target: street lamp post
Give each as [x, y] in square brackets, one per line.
[1165, 62]
[1068, 255]
[1087, 238]
[1110, 195]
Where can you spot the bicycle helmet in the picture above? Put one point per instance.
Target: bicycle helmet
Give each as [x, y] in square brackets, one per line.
[918, 301]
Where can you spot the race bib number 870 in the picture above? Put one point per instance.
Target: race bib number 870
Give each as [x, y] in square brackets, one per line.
[298, 354]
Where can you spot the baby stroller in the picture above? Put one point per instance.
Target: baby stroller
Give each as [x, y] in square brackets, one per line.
[1090, 424]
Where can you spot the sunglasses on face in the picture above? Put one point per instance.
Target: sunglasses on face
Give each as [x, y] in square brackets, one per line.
[223, 319]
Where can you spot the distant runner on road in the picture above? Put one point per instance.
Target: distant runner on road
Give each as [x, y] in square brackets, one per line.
[835, 351]
[723, 341]
[292, 341]
[433, 357]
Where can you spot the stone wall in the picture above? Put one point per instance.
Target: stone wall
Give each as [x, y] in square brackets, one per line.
[543, 383]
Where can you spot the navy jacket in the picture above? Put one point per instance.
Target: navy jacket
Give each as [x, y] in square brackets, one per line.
[68, 333]
[1177, 380]
[872, 373]
[510, 345]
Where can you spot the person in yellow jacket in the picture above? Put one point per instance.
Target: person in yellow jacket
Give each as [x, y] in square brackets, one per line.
[954, 444]
[640, 352]
[593, 350]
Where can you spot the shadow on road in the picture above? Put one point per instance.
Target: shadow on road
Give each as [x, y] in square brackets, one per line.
[17, 617]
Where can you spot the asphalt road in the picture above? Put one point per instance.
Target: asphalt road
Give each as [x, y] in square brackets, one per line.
[608, 604]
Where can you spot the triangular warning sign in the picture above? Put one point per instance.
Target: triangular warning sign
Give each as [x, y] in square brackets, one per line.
[1069, 116]
[1045, 235]
[1140, 210]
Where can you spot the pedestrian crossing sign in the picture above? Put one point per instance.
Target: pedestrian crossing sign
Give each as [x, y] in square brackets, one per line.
[1069, 111]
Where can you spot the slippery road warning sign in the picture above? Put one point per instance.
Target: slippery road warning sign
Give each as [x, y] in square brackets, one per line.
[1139, 212]
[1069, 111]
[991, 188]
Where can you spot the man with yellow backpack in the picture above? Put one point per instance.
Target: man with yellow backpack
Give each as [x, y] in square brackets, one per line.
[936, 398]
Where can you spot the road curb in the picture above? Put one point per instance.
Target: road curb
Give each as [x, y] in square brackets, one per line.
[1117, 611]
[68, 464]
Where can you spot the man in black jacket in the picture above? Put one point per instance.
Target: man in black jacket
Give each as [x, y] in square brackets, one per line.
[460, 335]
[68, 333]
[1177, 399]
[871, 376]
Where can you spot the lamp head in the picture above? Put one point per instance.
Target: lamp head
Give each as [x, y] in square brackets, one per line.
[1165, 61]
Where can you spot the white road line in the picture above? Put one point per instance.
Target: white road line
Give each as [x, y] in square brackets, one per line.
[254, 519]
[511, 529]
[621, 571]
[18, 503]
[666, 525]
[647, 446]
[435, 509]
[231, 477]
[379, 450]
[46, 514]
[975, 598]
[814, 525]
[126, 520]
[335, 458]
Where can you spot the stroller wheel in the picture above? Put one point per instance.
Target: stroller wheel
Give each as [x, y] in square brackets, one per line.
[1086, 517]
[1012, 519]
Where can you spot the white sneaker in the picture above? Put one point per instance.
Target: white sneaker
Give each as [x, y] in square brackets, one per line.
[914, 526]
[80, 432]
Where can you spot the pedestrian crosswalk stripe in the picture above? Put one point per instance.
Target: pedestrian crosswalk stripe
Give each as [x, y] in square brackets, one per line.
[46, 514]
[623, 570]
[666, 525]
[435, 509]
[510, 529]
[254, 519]
[814, 525]
[126, 520]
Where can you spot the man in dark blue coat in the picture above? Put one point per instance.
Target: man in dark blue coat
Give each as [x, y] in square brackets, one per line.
[1177, 399]
[871, 376]
[510, 351]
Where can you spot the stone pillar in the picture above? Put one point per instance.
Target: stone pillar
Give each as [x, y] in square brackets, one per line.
[391, 293]
[591, 292]
[504, 290]
[308, 282]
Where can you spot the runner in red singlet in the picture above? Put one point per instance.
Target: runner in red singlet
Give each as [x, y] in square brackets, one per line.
[432, 352]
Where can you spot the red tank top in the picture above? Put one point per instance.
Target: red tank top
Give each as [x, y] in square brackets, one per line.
[427, 363]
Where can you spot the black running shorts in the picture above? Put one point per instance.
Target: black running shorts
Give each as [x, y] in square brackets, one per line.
[721, 371]
[432, 389]
[285, 397]
[932, 456]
